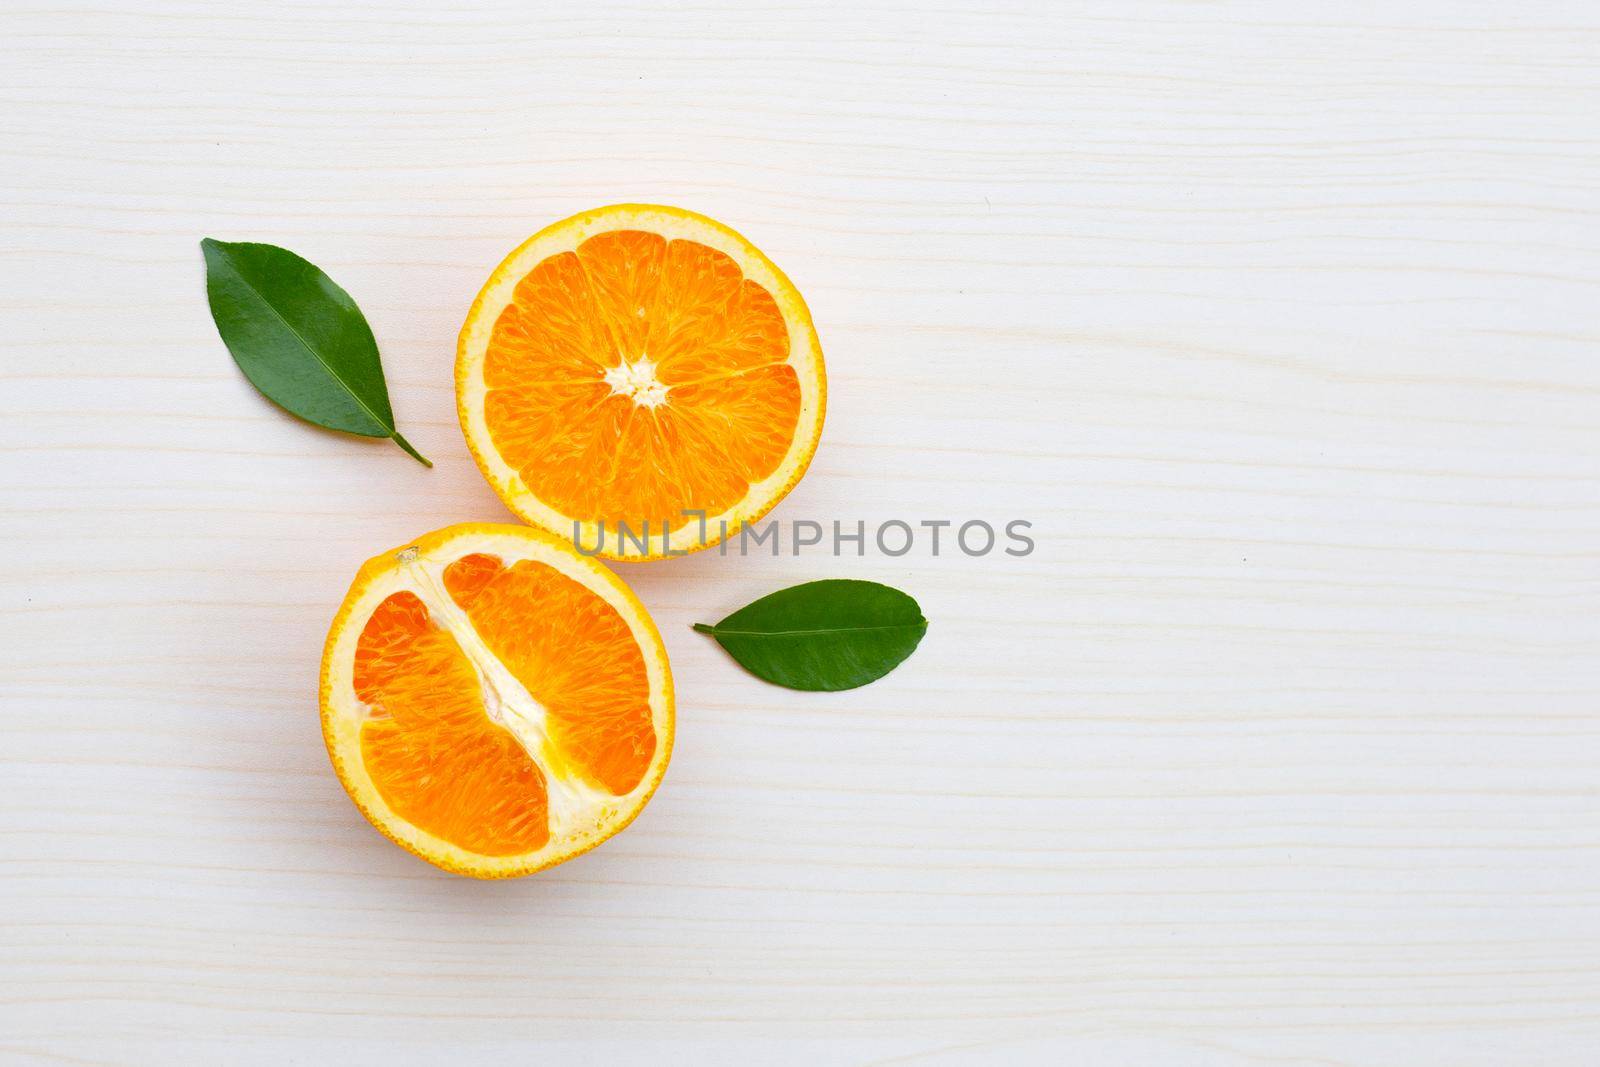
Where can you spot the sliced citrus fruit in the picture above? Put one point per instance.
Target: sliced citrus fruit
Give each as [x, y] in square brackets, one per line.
[493, 701]
[638, 365]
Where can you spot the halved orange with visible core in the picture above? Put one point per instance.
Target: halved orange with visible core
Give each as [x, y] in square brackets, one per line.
[641, 379]
[493, 701]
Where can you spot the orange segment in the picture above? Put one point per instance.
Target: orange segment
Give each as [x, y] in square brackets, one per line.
[698, 290]
[574, 654]
[550, 332]
[640, 364]
[435, 757]
[749, 409]
[624, 271]
[493, 701]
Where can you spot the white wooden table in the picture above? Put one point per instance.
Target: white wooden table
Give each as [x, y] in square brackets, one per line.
[1278, 321]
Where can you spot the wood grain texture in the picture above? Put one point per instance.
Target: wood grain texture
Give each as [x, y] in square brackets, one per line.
[1278, 321]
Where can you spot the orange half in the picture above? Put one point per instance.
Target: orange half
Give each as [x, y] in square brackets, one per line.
[493, 701]
[640, 379]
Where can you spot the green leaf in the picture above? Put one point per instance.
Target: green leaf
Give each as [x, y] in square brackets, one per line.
[299, 338]
[833, 634]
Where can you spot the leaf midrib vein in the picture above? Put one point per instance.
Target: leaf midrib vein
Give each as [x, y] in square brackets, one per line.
[719, 632]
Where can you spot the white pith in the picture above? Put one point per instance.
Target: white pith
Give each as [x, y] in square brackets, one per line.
[580, 812]
[638, 382]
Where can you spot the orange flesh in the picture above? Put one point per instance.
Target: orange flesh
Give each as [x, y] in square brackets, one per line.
[433, 752]
[714, 339]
